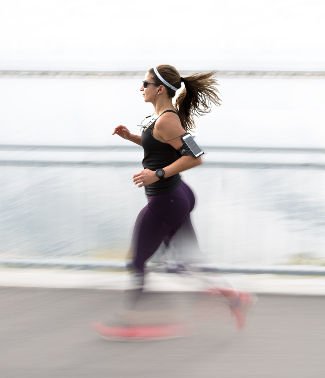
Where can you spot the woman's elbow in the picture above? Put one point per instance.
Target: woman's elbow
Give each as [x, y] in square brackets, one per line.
[199, 161]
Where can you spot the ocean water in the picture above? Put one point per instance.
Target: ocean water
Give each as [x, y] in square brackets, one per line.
[252, 214]
[242, 215]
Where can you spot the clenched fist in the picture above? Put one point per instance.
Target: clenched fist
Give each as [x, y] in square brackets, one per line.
[145, 177]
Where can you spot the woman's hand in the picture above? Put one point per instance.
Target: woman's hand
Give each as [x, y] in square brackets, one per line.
[123, 132]
[145, 177]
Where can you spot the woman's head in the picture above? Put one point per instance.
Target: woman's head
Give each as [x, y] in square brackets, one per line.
[153, 85]
[165, 73]
[194, 100]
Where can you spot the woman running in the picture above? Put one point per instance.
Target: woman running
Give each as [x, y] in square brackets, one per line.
[166, 154]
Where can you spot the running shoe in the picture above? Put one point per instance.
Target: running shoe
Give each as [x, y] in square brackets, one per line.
[141, 332]
[242, 308]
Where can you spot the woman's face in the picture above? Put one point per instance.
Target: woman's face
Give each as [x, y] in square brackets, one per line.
[149, 94]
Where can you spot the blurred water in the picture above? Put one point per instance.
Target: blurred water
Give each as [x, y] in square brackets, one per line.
[244, 215]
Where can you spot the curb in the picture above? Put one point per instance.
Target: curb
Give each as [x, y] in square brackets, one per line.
[296, 270]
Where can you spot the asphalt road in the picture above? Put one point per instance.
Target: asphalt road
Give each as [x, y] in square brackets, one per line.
[46, 333]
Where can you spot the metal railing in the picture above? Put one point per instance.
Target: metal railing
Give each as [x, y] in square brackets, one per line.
[36, 147]
[119, 163]
[137, 74]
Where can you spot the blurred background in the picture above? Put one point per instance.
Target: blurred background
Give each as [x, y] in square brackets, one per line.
[70, 72]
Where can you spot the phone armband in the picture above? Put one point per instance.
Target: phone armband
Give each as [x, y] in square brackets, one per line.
[190, 147]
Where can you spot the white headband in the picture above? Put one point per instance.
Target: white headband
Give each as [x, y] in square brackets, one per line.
[163, 80]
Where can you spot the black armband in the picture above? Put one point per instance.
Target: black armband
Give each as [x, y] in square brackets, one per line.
[189, 147]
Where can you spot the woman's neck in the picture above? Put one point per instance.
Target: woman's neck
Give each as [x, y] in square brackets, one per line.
[163, 105]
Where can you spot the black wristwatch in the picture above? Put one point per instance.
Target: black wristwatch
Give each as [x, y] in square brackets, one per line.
[160, 173]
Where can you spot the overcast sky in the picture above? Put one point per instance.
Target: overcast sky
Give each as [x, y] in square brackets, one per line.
[135, 35]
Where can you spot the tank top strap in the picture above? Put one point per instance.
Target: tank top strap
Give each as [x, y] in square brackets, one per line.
[166, 111]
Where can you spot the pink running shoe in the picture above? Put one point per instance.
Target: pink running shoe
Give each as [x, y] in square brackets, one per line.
[141, 332]
[242, 308]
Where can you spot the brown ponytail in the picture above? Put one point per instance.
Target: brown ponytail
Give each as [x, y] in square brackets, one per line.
[197, 96]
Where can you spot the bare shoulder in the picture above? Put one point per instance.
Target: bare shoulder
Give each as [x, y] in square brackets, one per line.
[169, 126]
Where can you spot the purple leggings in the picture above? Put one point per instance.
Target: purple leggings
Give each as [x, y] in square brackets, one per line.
[159, 221]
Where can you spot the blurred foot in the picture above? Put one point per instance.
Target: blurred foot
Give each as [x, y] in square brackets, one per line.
[242, 308]
[141, 332]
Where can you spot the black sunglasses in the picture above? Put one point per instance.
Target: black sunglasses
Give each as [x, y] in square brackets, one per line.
[145, 83]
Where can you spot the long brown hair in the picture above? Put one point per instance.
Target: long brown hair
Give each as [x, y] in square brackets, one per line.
[196, 98]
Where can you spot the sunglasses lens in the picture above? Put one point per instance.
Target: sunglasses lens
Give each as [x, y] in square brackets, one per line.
[145, 84]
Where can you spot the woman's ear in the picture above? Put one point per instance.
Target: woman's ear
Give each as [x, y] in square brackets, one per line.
[161, 89]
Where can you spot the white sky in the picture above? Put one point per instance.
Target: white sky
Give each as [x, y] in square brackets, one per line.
[135, 35]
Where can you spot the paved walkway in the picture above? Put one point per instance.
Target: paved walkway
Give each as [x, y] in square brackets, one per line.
[45, 332]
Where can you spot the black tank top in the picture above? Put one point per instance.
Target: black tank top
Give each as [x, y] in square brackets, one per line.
[159, 155]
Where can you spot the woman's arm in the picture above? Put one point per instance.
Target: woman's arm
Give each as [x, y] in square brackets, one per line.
[168, 130]
[135, 139]
[124, 133]
[146, 176]
[181, 165]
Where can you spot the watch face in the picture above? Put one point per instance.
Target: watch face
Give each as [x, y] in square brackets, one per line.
[160, 173]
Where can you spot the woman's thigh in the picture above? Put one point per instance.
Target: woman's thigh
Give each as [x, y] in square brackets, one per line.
[155, 221]
[171, 207]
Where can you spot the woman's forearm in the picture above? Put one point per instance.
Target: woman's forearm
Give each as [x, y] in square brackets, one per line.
[135, 139]
[146, 176]
[181, 165]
